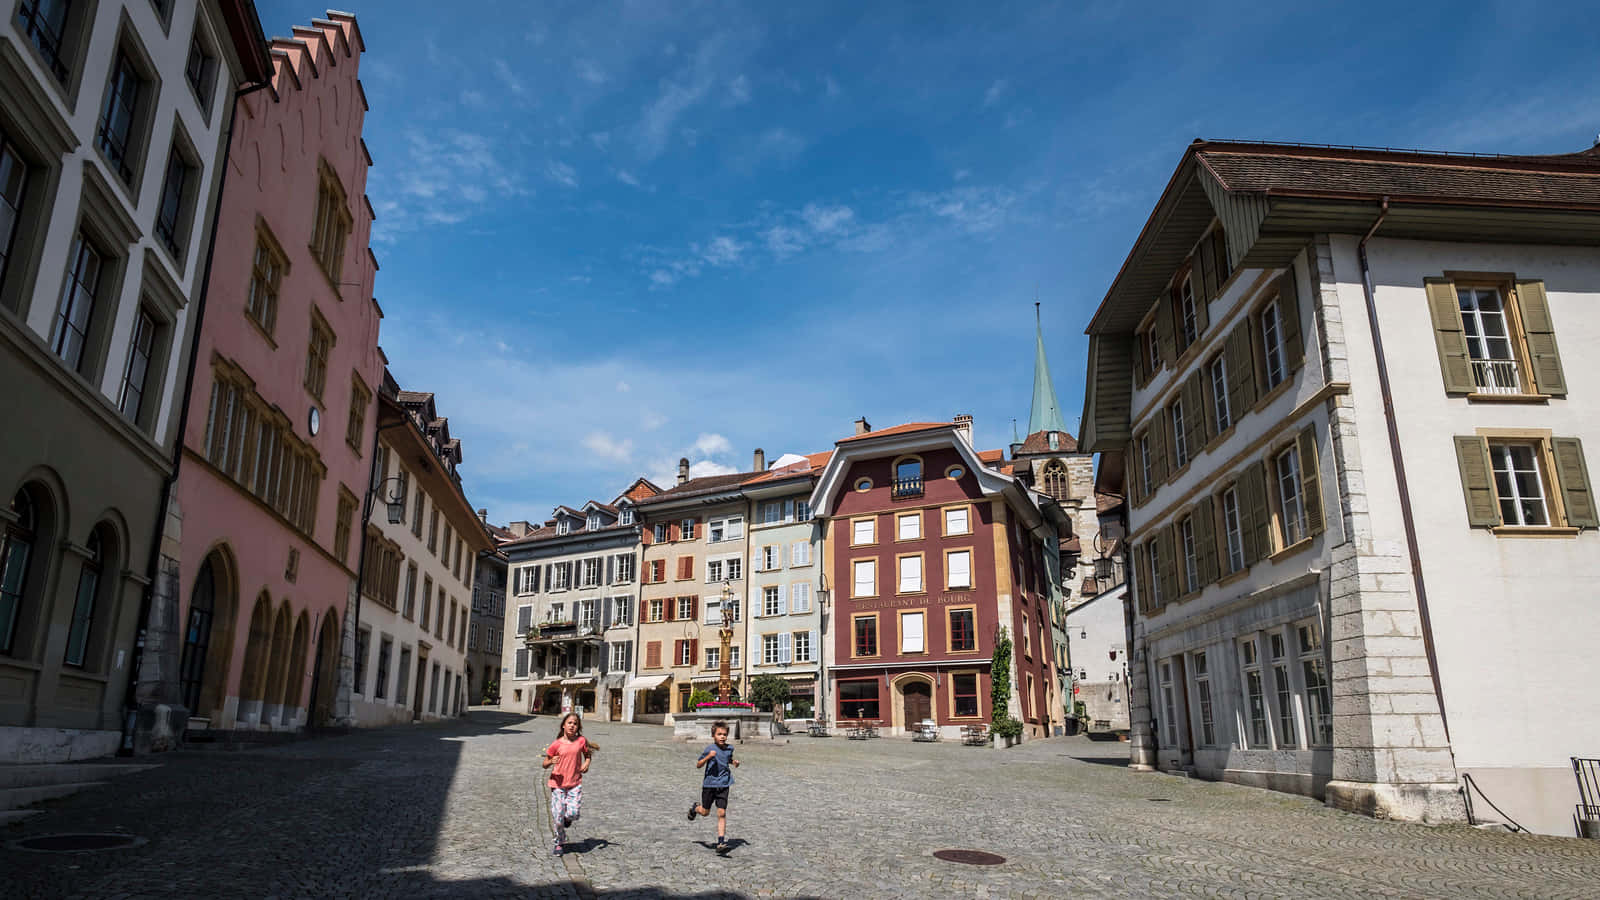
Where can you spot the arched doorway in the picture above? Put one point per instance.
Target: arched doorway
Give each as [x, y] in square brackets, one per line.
[208, 638]
[257, 651]
[911, 696]
[295, 678]
[324, 671]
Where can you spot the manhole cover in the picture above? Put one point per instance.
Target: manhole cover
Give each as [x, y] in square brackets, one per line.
[77, 843]
[969, 857]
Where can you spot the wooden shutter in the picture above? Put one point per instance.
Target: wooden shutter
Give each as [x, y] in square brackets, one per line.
[694, 651]
[1477, 480]
[1164, 335]
[783, 598]
[1576, 493]
[1140, 353]
[694, 607]
[611, 569]
[1205, 262]
[1241, 371]
[1141, 579]
[1219, 243]
[652, 655]
[1130, 473]
[1169, 568]
[605, 612]
[677, 651]
[1194, 412]
[1540, 333]
[1158, 451]
[1202, 299]
[1294, 351]
[669, 609]
[1205, 541]
[1310, 480]
[1449, 337]
[644, 609]
[1255, 516]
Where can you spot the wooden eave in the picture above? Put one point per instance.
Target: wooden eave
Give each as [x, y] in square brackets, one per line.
[412, 445]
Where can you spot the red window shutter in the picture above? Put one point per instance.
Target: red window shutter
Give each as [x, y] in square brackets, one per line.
[652, 655]
[694, 607]
[669, 606]
[694, 650]
[677, 651]
[644, 609]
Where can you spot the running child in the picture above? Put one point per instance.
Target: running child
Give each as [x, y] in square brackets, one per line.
[567, 758]
[717, 759]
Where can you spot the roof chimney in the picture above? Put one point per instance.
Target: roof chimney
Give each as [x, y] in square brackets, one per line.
[964, 423]
[483, 515]
[519, 529]
[683, 469]
[759, 463]
[863, 426]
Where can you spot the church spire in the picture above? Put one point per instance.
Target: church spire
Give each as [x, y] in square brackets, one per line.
[1046, 412]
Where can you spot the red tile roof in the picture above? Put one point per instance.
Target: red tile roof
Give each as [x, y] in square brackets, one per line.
[897, 429]
[1039, 442]
[814, 461]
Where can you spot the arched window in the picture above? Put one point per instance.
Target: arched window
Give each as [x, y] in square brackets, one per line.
[83, 606]
[907, 477]
[1054, 479]
[15, 550]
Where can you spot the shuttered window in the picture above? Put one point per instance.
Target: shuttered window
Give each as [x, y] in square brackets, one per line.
[1512, 482]
[1180, 434]
[1495, 338]
[1190, 551]
[652, 655]
[1232, 530]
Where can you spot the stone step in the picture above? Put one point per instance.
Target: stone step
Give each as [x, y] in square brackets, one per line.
[25, 775]
[18, 797]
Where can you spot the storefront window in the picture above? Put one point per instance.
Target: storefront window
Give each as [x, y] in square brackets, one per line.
[858, 700]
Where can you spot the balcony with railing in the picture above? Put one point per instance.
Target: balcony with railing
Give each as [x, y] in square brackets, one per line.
[906, 486]
[1497, 376]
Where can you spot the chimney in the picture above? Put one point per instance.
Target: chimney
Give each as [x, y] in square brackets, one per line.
[759, 464]
[519, 529]
[483, 515]
[863, 426]
[683, 470]
[964, 423]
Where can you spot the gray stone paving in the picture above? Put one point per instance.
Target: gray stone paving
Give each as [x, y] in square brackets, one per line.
[455, 810]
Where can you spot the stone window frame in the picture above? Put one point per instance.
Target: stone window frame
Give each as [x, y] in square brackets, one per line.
[76, 37]
[186, 228]
[42, 138]
[127, 43]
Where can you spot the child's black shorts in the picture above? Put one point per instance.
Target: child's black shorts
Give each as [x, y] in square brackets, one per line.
[710, 795]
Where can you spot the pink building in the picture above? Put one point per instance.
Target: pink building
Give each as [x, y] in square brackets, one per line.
[278, 447]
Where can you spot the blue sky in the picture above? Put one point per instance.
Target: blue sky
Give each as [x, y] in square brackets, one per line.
[614, 235]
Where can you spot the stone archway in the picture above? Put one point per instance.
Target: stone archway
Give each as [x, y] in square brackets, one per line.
[208, 631]
[294, 679]
[910, 701]
[277, 666]
[325, 671]
[257, 650]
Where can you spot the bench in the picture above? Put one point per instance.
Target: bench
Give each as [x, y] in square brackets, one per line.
[974, 735]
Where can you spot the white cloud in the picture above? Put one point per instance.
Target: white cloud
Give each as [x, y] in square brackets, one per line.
[974, 209]
[706, 468]
[607, 447]
[662, 278]
[781, 144]
[711, 444]
[738, 91]
[601, 140]
[784, 241]
[723, 251]
[627, 178]
[512, 82]
[445, 177]
[995, 92]
[623, 387]
[474, 99]
[962, 174]
[827, 219]
[561, 173]
[588, 71]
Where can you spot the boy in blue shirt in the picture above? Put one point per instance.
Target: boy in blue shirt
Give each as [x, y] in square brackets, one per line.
[718, 761]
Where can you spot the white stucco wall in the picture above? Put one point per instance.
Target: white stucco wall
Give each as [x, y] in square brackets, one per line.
[783, 534]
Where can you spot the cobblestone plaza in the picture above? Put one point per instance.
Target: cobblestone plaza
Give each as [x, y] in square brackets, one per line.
[457, 810]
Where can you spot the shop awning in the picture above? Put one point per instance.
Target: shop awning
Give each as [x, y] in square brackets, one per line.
[732, 679]
[647, 682]
[589, 680]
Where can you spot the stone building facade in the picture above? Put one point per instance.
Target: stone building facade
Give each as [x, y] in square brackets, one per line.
[111, 160]
[278, 449]
[486, 628]
[1351, 448]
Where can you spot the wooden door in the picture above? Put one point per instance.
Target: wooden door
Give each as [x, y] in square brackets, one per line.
[616, 705]
[919, 703]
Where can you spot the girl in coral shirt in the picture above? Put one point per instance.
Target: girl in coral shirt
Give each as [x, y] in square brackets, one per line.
[567, 758]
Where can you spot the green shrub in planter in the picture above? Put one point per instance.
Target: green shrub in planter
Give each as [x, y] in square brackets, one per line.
[700, 696]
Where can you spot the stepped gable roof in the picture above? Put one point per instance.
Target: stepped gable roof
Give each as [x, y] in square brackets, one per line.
[1039, 442]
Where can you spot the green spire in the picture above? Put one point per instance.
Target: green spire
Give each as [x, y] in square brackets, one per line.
[1046, 412]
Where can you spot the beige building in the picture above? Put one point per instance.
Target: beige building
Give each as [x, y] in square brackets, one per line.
[695, 544]
[1363, 528]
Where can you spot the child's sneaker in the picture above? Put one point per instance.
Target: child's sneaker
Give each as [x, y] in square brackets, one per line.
[722, 845]
[693, 811]
[556, 849]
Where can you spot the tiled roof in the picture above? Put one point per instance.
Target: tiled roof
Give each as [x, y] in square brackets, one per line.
[413, 396]
[814, 461]
[1071, 545]
[1104, 502]
[1039, 442]
[991, 456]
[706, 484]
[1566, 179]
[897, 429]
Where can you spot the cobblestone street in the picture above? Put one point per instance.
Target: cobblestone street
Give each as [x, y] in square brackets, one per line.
[456, 810]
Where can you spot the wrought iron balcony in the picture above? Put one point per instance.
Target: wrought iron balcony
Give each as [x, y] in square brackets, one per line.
[1496, 376]
[906, 487]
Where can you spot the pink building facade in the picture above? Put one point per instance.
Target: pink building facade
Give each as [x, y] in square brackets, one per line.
[279, 441]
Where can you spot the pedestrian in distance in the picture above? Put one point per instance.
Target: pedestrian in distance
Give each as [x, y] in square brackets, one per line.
[717, 759]
[567, 758]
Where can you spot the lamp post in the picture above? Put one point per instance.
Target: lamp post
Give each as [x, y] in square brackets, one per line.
[821, 712]
[724, 685]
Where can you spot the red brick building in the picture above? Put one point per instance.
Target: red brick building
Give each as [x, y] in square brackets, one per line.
[930, 547]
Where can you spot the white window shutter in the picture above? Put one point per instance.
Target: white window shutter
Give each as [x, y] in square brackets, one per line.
[815, 647]
[785, 648]
[783, 600]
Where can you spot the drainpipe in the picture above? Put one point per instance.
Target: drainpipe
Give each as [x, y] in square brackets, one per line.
[1406, 516]
[130, 700]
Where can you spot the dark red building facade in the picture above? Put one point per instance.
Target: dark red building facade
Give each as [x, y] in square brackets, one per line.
[929, 548]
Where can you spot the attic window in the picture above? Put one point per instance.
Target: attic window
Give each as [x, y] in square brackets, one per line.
[562, 526]
[627, 516]
[594, 521]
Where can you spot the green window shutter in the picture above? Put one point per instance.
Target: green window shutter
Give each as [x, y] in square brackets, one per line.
[1143, 592]
[1257, 514]
[1158, 450]
[1472, 456]
[1310, 479]
[1139, 353]
[1202, 298]
[1195, 420]
[1241, 371]
[1219, 243]
[1169, 567]
[1130, 473]
[1541, 334]
[1164, 328]
[1205, 540]
[1294, 351]
[1205, 260]
[1576, 494]
[1449, 337]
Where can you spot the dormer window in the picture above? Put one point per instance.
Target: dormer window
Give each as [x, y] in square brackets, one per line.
[594, 521]
[627, 516]
[563, 526]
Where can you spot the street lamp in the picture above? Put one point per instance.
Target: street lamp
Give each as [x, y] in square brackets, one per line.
[724, 686]
[821, 714]
[393, 493]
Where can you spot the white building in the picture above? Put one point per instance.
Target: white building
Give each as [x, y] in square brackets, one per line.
[1360, 505]
[1097, 641]
[783, 619]
[421, 546]
[572, 614]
